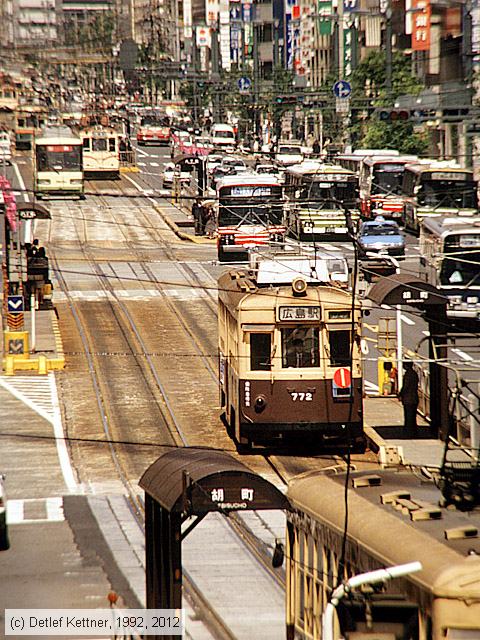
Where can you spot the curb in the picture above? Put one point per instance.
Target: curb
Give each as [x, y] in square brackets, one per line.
[181, 234]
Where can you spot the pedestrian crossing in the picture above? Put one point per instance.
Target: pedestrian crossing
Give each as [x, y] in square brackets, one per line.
[132, 295]
[35, 510]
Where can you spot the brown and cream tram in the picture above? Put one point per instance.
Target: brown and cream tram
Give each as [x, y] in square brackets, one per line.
[394, 519]
[289, 353]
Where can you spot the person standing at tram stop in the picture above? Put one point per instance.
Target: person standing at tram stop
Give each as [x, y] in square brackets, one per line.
[409, 395]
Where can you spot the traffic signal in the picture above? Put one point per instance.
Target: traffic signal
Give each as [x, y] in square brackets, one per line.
[403, 115]
[286, 99]
[393, 115]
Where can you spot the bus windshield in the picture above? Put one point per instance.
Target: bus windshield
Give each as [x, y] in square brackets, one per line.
[59, 157]
[458, 194]
[387, 179]
[461, 262]
[320, 195]
[236, 212]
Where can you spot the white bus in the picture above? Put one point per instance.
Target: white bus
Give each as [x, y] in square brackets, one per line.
[450, 260]
[58, 168]
[323, 201]
[101, 152]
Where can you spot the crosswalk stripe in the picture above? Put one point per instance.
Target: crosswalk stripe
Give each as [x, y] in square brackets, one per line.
[51, 510]
[35, 392]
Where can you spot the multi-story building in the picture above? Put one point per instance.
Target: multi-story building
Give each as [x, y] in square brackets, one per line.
[34, 22]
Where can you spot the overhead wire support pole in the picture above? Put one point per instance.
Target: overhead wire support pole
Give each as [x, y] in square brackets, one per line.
[388, 52]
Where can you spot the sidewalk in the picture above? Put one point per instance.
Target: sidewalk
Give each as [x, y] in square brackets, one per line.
[394, 444]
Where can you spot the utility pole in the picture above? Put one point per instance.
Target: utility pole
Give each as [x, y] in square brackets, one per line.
[215, 61]
[388, 52]
[256, 77]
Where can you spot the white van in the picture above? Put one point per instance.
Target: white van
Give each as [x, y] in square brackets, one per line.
[5, 148]
[223, 137]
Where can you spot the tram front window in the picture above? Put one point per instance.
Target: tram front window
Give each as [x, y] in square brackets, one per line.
[99, 144]
[300, 347]
[339, 341]
[59, 158]
[448, 193]
[260, 351]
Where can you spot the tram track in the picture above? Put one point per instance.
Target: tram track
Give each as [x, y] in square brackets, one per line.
[140, 352]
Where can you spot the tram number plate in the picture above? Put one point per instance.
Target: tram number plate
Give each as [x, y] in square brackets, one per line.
[301, 396]
[329, 229]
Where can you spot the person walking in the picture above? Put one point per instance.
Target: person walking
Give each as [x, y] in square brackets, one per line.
[316, 148]
[409, 395]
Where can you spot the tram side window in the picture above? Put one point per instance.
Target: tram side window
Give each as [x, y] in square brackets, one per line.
[339, 341]
[300, 347]
[260, 351]
[111, 144]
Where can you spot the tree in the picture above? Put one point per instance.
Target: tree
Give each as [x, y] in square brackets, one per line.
[368, 81]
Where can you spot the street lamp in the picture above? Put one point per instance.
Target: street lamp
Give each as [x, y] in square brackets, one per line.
[372, 577]
[398, 313]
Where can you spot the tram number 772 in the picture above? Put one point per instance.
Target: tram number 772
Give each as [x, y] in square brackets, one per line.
[301, 396]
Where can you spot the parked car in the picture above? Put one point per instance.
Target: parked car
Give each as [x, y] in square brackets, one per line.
[4, 542]
[381, 236]
[169, 174]
[288, 153]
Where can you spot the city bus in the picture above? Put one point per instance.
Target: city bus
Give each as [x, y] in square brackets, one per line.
[450, 260]
[58, 167]
[353, 161]
[322, 201]
[381, 185]
[101, 151]
[249, 213]
[436, 188]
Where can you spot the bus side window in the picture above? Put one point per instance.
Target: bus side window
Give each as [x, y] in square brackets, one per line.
[260, 351]
[339, 341]
[111, 144]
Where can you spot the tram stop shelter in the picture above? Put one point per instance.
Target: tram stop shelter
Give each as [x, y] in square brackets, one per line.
[189, 483]
[408, 291]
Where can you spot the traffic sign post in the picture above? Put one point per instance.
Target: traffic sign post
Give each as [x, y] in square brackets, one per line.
[342, 89]
[244, 84]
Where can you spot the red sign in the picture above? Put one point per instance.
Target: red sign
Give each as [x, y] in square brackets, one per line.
[59, 148]
[342, 378]
[422, 13]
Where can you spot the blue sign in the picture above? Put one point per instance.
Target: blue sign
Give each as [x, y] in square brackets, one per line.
[342, 89]
[244, 83]
[15, 304]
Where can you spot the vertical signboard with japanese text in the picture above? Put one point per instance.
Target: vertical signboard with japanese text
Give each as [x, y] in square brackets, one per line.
[421, 21]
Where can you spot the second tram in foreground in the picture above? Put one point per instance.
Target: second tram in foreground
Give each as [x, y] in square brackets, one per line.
[290, 366]
[58, 166]
[394, 519]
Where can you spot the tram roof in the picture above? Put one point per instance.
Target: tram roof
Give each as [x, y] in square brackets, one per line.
[426, 165]
[386, 532]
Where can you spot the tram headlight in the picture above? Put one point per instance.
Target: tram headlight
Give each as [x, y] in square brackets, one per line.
[260, 404]
[299, 286]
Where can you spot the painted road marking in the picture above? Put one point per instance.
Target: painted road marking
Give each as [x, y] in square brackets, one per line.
[40, 394]
[154, 164]
[48, 510]
[463, 355]
[26, 197]
[181, 293]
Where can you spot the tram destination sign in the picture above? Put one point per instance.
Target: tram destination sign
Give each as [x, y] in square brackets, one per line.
[295, 313]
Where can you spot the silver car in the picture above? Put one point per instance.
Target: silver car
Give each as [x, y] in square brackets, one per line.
[381, 236]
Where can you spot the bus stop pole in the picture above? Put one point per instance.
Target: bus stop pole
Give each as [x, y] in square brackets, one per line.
[33, 323]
